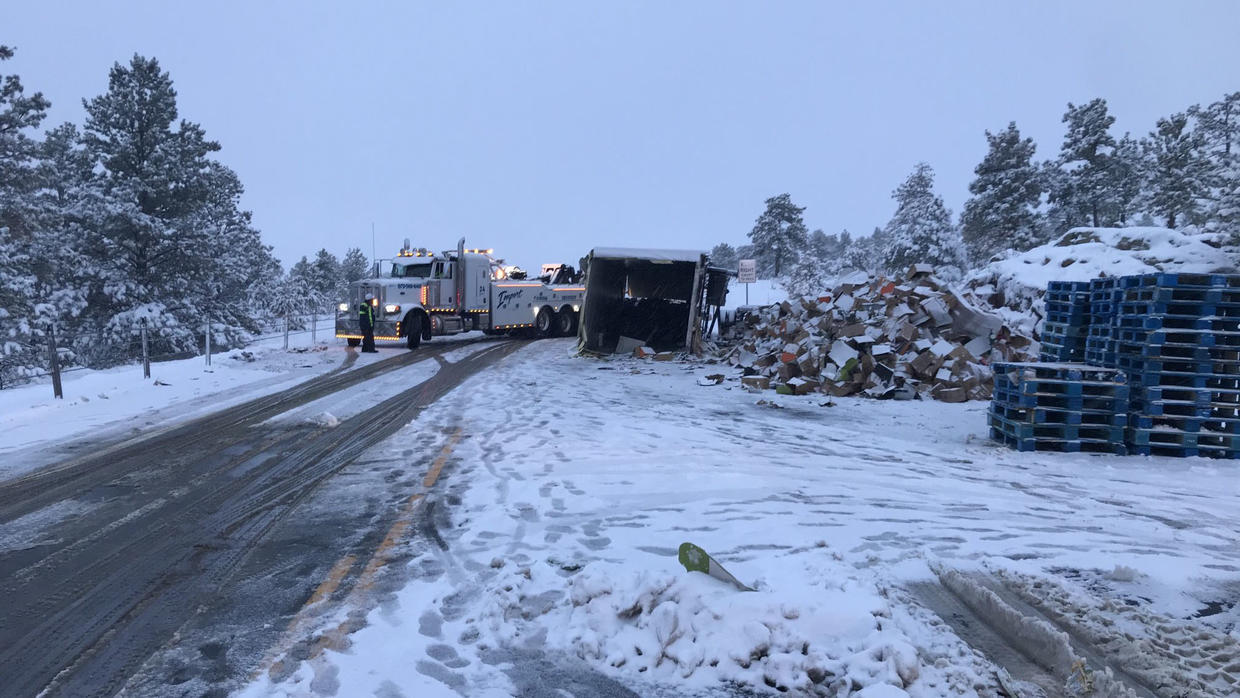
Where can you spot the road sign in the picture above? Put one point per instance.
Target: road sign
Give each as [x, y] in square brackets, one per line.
[747, 271]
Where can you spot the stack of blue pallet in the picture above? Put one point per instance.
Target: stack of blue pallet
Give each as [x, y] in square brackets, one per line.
[1101, 341]
[1178, 341]
[1059, 407]
[1067, 321]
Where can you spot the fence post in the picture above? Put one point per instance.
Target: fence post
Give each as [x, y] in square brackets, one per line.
[286, 331]
[146, 354]
[207, 339]
[314, 328]
[54, 359]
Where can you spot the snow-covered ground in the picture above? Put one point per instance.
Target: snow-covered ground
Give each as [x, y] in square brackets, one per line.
[762, 292]
[118, 403]
[568, 495]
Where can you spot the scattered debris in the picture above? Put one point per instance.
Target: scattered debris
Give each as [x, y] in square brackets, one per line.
[864, 335]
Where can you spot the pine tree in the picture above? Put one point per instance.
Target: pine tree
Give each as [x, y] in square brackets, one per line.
[1002, 213]
[921, 230]
[778, 236]
[355, 266]
[20, 326]
[174, 246]
[1219, 126]
[1179, 175]
[723, 255]
[1084, 194]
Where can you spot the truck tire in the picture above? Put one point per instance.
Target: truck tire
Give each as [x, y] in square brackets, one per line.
[354, 341]
[566, 323]
[544, 324]
[413, 332]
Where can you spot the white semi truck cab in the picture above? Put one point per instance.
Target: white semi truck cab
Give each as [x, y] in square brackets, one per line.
[419, 294]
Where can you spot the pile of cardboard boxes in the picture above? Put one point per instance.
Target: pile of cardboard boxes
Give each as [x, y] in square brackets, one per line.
[863, 337]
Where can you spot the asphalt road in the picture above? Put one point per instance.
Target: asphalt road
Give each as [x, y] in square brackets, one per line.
[194, 529]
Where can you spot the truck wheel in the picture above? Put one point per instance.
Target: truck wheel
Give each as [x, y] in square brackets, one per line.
[413, 331]
[544, 323]
[566, 323]
[354, 342]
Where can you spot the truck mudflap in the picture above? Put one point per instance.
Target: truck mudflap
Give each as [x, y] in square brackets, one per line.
[348, 328]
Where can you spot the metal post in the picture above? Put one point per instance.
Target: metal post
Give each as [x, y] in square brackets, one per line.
[314, 328]
[286, 331]
[54, 360]
[746, 294]
[207, 340]
[146, 354]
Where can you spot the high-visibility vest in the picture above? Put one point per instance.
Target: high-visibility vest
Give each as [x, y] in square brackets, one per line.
[364, 310]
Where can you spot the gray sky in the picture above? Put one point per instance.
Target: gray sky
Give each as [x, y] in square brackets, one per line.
[543, 129]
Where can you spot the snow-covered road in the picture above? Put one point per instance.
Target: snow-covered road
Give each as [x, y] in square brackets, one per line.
[560, 510]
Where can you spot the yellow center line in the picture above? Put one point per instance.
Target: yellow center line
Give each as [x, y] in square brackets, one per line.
[433, 474]
[336, 638]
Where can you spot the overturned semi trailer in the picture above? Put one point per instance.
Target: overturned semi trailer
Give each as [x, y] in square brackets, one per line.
[662, 299]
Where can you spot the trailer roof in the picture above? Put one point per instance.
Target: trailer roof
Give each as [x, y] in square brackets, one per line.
[650, 254]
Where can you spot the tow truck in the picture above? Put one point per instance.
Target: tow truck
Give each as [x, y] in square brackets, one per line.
[420, 294]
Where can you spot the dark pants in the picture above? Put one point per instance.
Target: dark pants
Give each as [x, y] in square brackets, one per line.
[368, 339]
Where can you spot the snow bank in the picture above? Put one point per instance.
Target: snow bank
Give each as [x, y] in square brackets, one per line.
[1082, 254]
[664, 623]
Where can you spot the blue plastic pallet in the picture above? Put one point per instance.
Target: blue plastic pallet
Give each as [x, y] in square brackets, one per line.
[1180, 352]
[1035, 444]
[1068, 286]
[1186, 380]
[1176, 437]
[1189, 294]
[1188, 337]
[1044, 415]
[1182, 452]
[1183, 394]
[1056, 371]
[1178, 322]
[1176, 408]
[1179, 308]
[1145, 366]
[1076, 403]
[1194, 424]
[1179, 280]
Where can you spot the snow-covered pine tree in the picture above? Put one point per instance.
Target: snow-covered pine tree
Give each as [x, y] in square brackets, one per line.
[862, 253]
[921, 231]
[354, 266]
[1219, 126]
[723, 255]
[328, 281]
[1084, 193]
[1003, 212]
[778, 236]
[67, 194]
[20, 353]
[1179, 174]
[159, 254]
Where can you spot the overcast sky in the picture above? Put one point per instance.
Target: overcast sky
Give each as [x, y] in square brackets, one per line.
[543, 129]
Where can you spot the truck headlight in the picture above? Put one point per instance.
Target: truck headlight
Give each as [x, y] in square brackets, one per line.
[391, 309]
[343, 307]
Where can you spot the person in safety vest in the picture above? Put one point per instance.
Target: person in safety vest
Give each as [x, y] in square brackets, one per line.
[366, 321]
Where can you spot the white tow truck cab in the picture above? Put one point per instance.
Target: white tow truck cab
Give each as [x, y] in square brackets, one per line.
[419, 294]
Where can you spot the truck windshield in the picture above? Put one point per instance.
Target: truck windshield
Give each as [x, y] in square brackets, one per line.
[421, 271]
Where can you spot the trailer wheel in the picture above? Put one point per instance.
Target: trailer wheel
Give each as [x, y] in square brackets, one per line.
[413, 329]
[566, 323]
[544, 323]
[354, 341]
